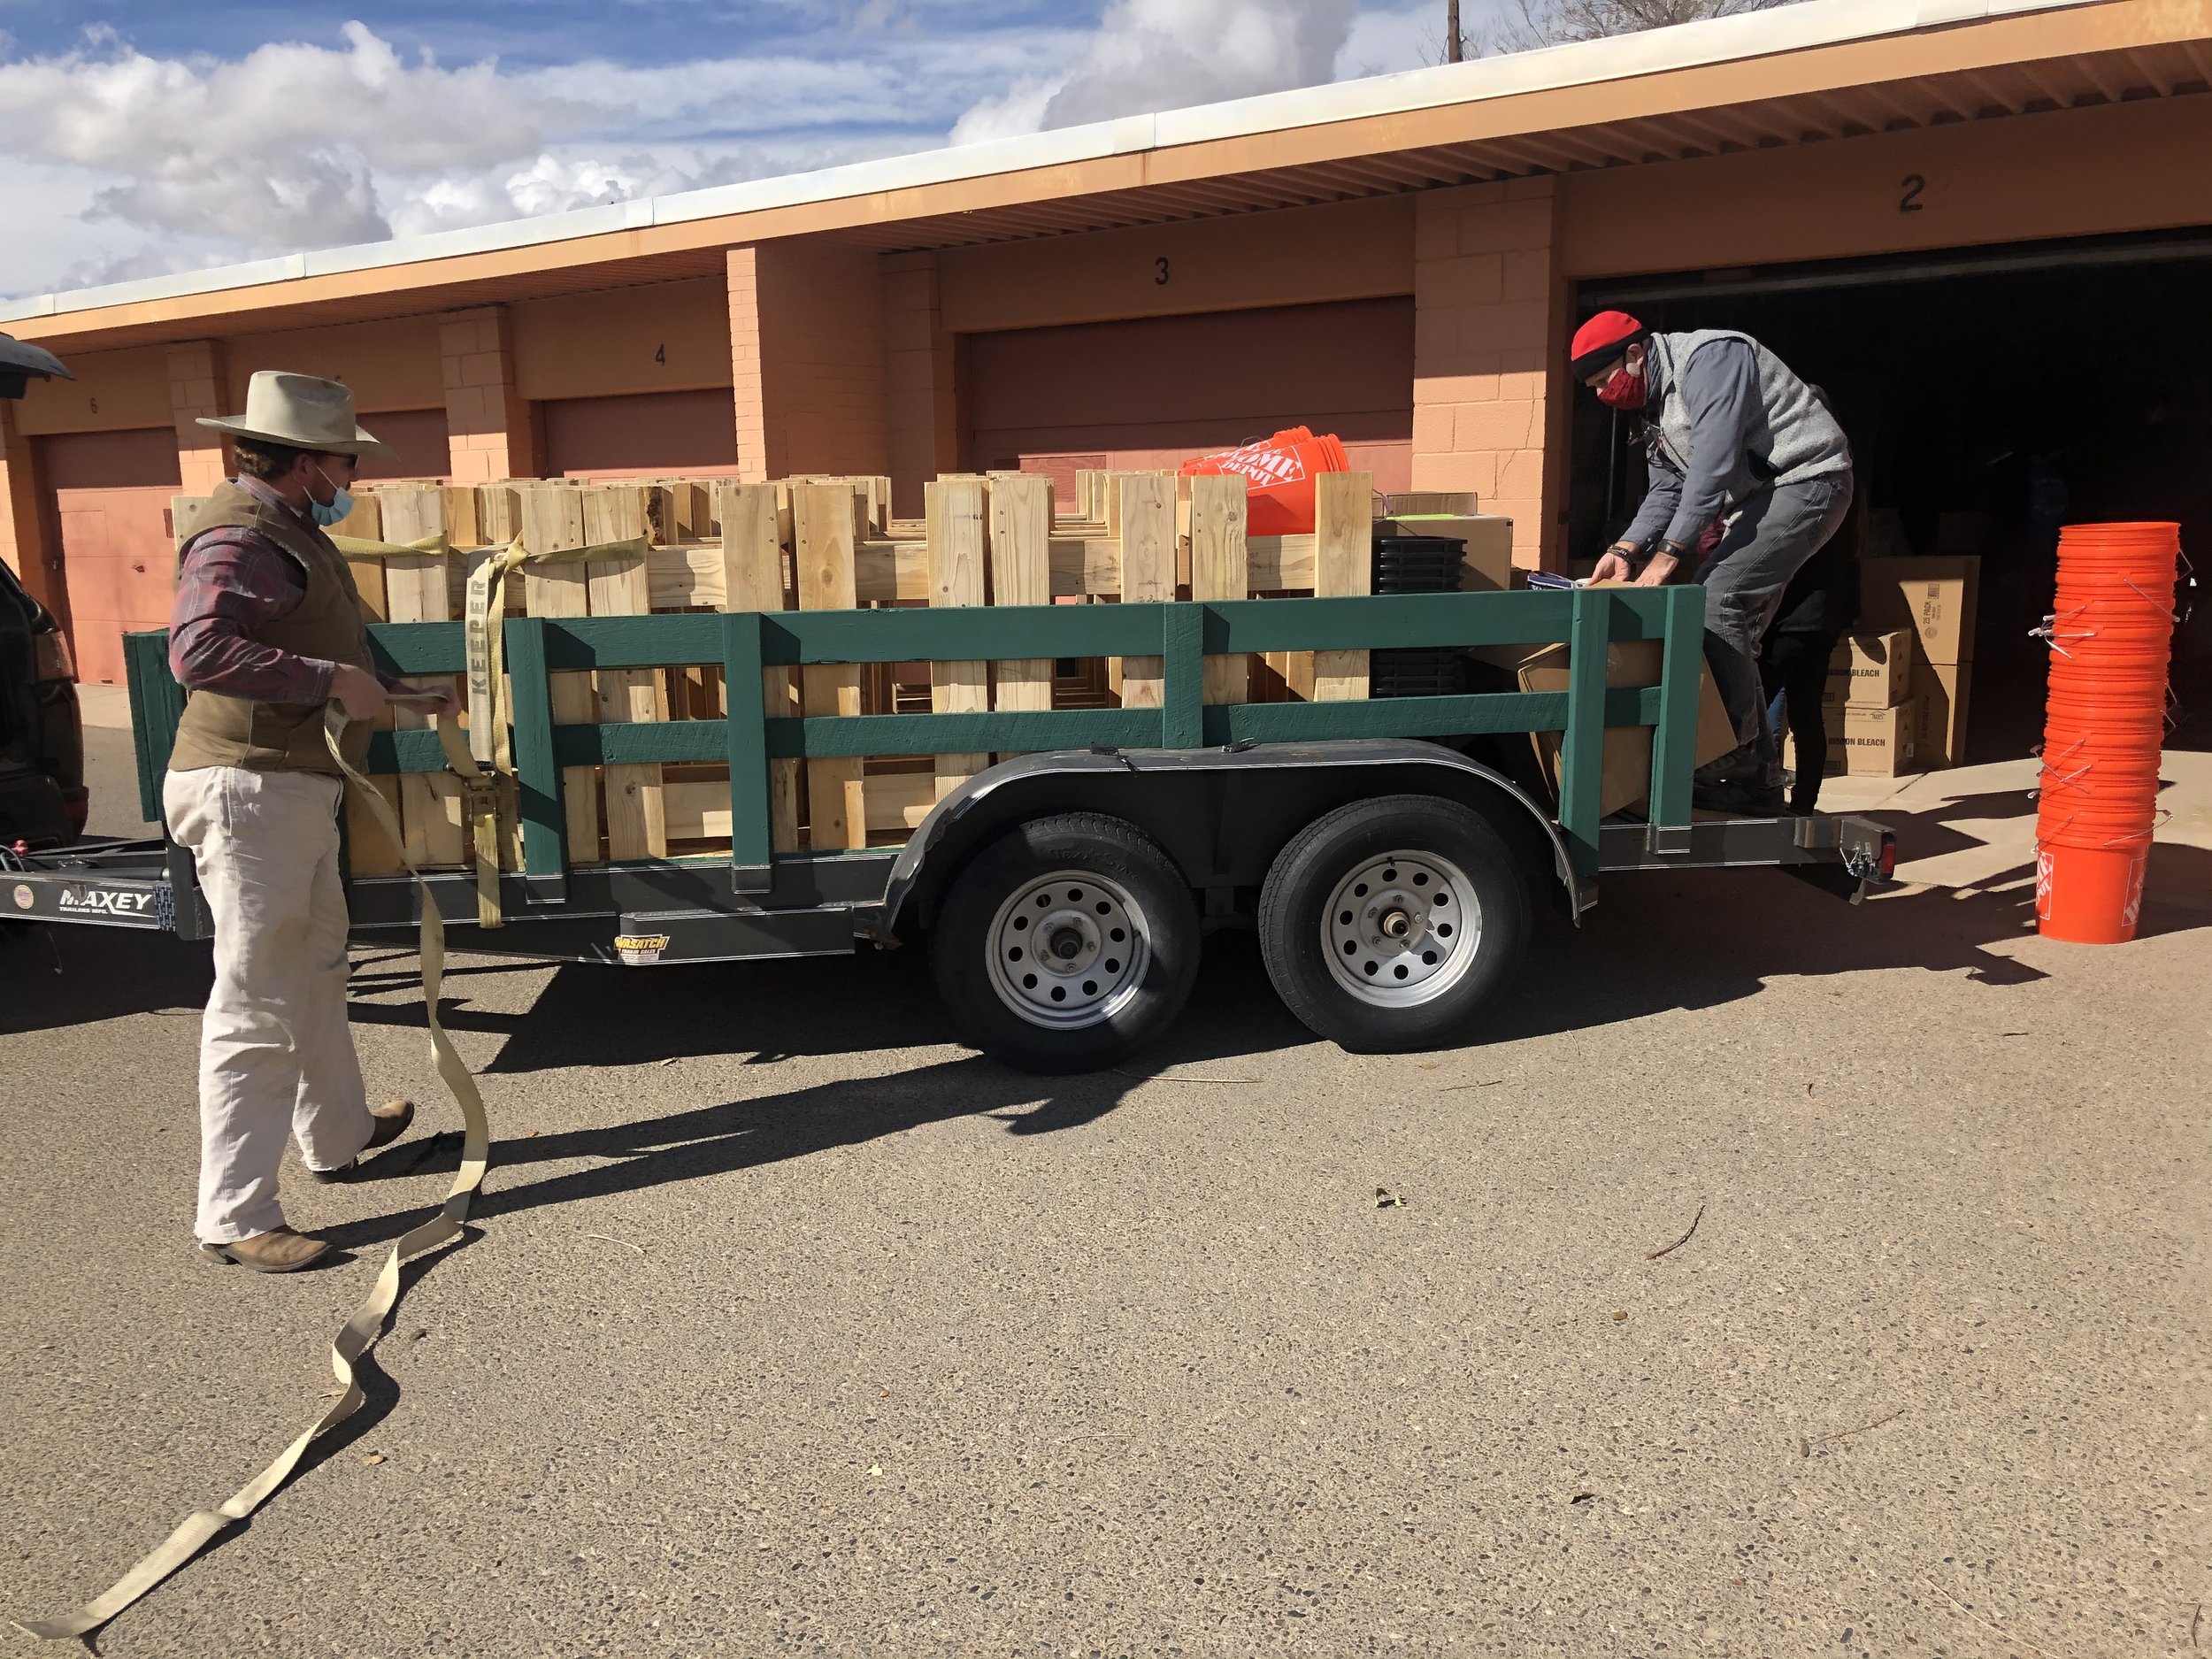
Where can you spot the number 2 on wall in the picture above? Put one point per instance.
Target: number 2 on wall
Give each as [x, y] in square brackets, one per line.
[1913, 184]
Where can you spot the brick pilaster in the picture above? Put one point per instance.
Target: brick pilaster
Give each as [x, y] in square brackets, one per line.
[22, 526]
[489, 429]
[1489, 395]
[197, 389]
[920, 415]
[807, 360]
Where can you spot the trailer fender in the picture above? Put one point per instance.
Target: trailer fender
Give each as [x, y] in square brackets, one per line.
[1222, 814]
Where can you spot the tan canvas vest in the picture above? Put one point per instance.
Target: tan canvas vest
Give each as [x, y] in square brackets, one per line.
[220, 731]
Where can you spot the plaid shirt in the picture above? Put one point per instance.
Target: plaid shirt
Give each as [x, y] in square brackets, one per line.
[233, 583]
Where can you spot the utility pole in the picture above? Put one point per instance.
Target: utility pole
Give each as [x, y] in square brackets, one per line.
[1451, 31]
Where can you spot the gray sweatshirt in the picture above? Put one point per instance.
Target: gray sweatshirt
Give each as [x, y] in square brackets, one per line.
[1725, 418]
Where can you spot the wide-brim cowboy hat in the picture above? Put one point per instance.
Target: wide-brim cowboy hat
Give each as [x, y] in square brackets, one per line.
[298, 410]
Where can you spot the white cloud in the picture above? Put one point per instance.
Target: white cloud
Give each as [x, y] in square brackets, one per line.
[1151, 55]
[130, 165]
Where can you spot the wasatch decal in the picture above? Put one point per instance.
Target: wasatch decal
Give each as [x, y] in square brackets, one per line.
[639, 950]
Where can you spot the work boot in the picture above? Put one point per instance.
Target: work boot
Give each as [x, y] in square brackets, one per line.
[392, 1119]
[280, 1250]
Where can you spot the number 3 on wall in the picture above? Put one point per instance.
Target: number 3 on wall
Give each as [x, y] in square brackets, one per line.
[1159, 272]
[1913, 184]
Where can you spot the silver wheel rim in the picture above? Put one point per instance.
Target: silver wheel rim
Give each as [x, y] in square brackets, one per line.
[1068, 950]
[1401, 929]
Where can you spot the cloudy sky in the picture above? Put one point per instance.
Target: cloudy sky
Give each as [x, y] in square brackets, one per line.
[139, 138]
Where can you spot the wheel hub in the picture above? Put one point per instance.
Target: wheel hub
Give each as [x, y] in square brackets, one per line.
[1068, 949]
[1401, 928]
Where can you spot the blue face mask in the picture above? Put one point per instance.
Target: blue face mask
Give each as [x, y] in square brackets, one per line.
[339, 506]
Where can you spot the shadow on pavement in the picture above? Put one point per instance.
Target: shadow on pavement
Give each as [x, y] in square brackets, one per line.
[69, 975]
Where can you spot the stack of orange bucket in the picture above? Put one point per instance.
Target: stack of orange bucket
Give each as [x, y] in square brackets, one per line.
[2111, 636]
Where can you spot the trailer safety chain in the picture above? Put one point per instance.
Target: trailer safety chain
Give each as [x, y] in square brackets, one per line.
[366, 1323]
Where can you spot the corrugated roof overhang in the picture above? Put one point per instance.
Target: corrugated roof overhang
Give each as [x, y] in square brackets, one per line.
[2034, 59]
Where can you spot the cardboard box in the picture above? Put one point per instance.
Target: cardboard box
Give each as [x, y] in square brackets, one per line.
[1942, 691]
[1428, 503]
[1485, 565]
[1935, 597]
[1872, 742]
[1625, 778]
[1870, 671]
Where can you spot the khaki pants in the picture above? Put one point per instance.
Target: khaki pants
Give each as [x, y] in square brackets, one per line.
[275, 1050]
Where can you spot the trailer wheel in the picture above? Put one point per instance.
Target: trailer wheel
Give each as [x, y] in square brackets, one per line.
[1386, 924]
[1067, 944]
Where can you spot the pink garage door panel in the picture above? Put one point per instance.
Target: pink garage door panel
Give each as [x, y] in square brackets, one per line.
[111, 492]
[642, 434]
[414, 441]
[1153, 392]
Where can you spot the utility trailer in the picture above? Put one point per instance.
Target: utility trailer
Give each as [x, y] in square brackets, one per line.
[1389, 870]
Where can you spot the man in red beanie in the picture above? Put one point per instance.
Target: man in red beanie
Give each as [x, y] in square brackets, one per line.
[1751, 475]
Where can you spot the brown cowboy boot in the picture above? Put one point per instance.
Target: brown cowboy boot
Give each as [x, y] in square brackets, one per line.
[280, 1250]
[392, 1119]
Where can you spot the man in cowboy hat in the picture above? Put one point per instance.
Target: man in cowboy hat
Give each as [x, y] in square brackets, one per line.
[1750, 476]
[266, 631]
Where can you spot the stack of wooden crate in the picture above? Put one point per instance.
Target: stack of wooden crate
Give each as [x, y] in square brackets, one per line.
[829, 544]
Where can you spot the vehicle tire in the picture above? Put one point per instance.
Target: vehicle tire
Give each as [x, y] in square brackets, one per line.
[1067, 944]
[1386, 924]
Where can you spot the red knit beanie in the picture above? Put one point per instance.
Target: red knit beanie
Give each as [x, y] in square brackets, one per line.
[1604, 340]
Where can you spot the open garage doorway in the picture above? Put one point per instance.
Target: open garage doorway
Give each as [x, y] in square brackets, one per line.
[1990, 395]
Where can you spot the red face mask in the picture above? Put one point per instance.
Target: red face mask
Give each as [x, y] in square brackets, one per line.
[1624, 390]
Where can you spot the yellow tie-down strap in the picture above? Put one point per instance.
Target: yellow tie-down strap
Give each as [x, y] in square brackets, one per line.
[486, 766]
[366, 1323]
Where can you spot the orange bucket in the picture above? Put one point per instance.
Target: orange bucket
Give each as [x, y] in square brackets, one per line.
[2088, 895]
[1279, 499]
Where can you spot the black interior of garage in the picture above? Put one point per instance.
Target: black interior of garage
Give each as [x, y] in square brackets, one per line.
[1990, 398]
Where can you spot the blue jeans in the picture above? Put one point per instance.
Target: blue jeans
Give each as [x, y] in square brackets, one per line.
[1774, 533]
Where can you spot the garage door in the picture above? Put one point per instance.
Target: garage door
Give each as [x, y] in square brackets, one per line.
[1153, 392]
[112, 493]
[641, 435]
[414, 444]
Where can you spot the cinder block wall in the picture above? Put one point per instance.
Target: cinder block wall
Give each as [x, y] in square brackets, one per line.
[807, 359]
[920, 410]
[1488, 389]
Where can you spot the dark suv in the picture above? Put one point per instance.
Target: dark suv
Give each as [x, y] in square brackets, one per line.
[42, 795]
[41, 732]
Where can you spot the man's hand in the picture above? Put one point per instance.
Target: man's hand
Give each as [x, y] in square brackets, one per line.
[358, 692]
[1658, 570]
[1614, 566]
[429, 699]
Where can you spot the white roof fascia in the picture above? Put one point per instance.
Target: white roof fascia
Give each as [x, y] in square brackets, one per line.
[1788, 28]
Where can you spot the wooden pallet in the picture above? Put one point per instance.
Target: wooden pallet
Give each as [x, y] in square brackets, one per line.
[817, 543]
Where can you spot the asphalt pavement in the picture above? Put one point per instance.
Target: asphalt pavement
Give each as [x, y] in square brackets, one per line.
[1764, 1277]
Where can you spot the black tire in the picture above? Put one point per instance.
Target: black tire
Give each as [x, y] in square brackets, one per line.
[1097, 1018]
[1414, 989]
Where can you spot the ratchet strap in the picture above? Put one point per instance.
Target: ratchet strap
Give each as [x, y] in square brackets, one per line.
[485, 766]
[366, 1324]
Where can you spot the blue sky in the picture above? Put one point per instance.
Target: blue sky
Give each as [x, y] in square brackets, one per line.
[139, 139]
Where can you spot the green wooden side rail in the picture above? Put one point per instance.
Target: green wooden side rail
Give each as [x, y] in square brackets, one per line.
[742, 643]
